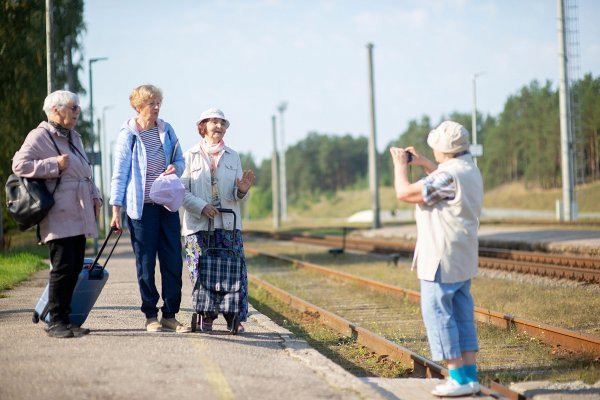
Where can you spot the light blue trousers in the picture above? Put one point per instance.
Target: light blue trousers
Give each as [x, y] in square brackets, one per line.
[447, 310]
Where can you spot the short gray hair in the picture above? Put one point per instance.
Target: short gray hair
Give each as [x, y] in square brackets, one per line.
[59, 98]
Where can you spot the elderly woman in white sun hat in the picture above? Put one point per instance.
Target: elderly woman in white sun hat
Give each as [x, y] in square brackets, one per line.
[449, 202]
[213, 178]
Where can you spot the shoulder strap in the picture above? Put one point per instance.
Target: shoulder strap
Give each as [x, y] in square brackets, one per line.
[53, 142]
[174, 150]
[174, 146]
[37, 228]
[59, 153]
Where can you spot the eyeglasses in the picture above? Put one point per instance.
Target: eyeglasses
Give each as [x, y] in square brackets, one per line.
[73, 108]
[153, 104]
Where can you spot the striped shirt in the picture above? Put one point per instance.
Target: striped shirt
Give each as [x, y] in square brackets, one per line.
[437, 187]
[155, 156]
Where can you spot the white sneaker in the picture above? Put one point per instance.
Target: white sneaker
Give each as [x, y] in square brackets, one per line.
[475, 386]
[451, 388]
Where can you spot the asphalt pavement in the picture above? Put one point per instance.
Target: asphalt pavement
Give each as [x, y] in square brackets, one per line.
[120, 360]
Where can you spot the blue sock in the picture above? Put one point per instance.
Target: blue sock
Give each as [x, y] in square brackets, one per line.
[458, 374]
[470, 371]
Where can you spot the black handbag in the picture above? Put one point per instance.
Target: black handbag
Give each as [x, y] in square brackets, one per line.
[28, 199]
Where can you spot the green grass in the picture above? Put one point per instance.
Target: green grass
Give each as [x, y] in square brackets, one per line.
[517, 195]
[333, 210]
[23, 259]
[17, 266]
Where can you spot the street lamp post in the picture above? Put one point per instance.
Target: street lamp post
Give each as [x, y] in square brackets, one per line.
[475, 151]
[90, 62]
[282, 174]
[94, 160]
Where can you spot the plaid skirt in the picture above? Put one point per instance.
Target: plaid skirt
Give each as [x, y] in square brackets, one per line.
[227, 297]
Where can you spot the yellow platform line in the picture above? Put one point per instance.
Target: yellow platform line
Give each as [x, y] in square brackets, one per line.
[218, 383]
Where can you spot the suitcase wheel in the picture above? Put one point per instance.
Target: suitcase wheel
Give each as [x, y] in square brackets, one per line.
[194, 322]
[35, 317]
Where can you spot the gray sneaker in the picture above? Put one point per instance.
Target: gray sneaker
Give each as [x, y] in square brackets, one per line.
[79, 331]
[59, 330]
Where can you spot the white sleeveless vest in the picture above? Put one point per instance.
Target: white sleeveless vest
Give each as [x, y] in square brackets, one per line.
[447, 231]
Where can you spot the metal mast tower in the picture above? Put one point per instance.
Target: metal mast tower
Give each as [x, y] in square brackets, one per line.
[569, 205]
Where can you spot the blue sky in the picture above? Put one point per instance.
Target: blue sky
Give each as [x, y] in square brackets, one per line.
[246, 57]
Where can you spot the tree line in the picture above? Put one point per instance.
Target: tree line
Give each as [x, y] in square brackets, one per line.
[23, 69]
[521, 143]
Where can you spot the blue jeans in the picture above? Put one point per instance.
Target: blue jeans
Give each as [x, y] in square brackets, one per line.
[447, 310]
[158, 232]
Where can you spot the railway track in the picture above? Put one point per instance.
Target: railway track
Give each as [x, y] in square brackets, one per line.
[421, 366]
[584, 269]
[554, 336]
[382, 312]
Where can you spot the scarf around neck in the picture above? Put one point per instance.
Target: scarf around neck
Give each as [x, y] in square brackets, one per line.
[213, 151]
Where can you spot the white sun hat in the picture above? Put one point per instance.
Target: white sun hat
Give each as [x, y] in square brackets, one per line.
[213, 113]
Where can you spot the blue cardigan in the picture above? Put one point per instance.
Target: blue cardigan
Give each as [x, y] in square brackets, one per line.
[129, 169]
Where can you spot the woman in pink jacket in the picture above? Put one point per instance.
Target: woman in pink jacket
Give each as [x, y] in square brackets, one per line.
[77, 201]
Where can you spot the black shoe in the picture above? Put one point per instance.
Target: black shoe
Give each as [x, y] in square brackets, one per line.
[59, 330]
[233, 322]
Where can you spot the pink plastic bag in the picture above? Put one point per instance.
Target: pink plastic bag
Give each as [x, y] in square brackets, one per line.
[168, 191]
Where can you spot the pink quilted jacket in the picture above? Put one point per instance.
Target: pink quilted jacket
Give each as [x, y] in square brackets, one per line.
[73, 210]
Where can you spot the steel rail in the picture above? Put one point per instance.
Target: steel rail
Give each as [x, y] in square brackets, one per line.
[574, 268]
[421, 366]
[559, 337]
[556, 271]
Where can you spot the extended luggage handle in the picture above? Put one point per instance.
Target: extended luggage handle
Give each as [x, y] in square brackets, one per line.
[211, 231]
[104, 245]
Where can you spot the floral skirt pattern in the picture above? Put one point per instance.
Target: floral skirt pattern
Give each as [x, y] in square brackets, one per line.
[198, 242]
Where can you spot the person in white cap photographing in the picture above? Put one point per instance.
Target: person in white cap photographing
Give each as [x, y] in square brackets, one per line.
[448, 205]
[213, 178]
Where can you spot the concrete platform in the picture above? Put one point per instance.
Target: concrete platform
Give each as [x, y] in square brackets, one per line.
[120, 360]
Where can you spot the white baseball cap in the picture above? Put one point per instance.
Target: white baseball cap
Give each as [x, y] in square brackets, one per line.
[449, 137]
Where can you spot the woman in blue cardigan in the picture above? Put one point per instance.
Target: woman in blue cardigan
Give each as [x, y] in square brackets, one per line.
[144, 150]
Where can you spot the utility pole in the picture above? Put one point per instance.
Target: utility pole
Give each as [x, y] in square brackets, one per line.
[566, 135]
[95, 157]
[476, 150]
[275, 179]
[69, 62]
[282, 169]
[49, 63]
[104, 150]
[104, 220]
[373, 179]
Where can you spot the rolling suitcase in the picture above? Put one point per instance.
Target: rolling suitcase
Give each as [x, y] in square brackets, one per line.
[217, 289]
[90, 282]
